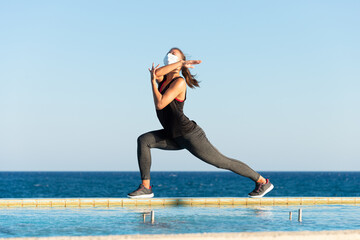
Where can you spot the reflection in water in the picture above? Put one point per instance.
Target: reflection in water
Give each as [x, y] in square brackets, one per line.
[39, 222]
[262, 211]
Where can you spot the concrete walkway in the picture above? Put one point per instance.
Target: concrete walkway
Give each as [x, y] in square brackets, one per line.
[323, 235]
[124, 202]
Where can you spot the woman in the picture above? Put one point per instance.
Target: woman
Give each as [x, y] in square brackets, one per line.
[169, 92]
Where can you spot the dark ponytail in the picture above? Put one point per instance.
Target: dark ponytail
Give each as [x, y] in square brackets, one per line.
[189, 78]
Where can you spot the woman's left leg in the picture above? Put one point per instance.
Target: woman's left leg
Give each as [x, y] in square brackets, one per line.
[197, 143]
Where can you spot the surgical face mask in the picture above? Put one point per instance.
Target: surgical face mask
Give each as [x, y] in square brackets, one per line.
[170, 58]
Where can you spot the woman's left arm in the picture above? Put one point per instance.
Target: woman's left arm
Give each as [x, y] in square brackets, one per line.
[161, 101]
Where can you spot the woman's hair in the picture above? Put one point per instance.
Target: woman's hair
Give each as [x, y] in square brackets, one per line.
[189, 78]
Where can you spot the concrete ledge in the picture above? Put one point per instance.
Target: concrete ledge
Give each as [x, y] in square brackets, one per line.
[322, 235]
[126, 202]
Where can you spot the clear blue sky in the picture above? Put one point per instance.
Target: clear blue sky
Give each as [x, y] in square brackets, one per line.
[280, 82]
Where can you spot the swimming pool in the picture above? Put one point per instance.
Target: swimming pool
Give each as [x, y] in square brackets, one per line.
[41, 222]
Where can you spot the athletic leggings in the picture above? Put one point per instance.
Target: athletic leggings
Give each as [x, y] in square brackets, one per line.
[195, 142]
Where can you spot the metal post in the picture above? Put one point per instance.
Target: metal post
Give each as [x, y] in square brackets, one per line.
[152, 216]
[300, 215]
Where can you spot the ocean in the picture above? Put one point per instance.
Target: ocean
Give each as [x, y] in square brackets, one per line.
[174, 184]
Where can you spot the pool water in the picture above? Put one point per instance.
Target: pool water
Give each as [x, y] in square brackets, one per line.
[42, 222]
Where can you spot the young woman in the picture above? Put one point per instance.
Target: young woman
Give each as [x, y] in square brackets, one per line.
[169, 92]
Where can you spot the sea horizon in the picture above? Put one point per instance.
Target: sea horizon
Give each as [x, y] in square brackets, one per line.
[43, 184]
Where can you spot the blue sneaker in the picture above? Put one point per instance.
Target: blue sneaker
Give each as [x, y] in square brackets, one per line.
[261, 189]
[141, 192]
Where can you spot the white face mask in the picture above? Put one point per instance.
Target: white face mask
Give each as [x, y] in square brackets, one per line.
[170, 58]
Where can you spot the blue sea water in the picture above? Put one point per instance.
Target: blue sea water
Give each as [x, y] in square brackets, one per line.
[45, 222]
[175, 184]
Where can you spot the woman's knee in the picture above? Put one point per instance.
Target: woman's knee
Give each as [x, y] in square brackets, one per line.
[222, 165]
[141, 139]
[217, 162]
[222, 162]
[144, 139]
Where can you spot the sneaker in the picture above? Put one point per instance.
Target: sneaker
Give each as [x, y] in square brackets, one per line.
[261, 189]
[141, 192]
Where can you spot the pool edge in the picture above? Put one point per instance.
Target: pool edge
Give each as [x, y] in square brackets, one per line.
[281, 235]
[127, 202]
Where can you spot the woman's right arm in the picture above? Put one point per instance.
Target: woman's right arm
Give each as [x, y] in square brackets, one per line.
[161, 72]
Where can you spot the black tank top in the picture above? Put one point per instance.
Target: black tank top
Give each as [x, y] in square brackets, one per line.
[172, 117]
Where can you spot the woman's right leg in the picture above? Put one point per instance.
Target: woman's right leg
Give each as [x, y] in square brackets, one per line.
[153, 139]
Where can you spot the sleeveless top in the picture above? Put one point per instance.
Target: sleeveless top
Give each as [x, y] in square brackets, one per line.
[172, 117]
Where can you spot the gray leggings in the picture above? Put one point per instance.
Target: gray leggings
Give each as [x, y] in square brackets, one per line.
[195, 142]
